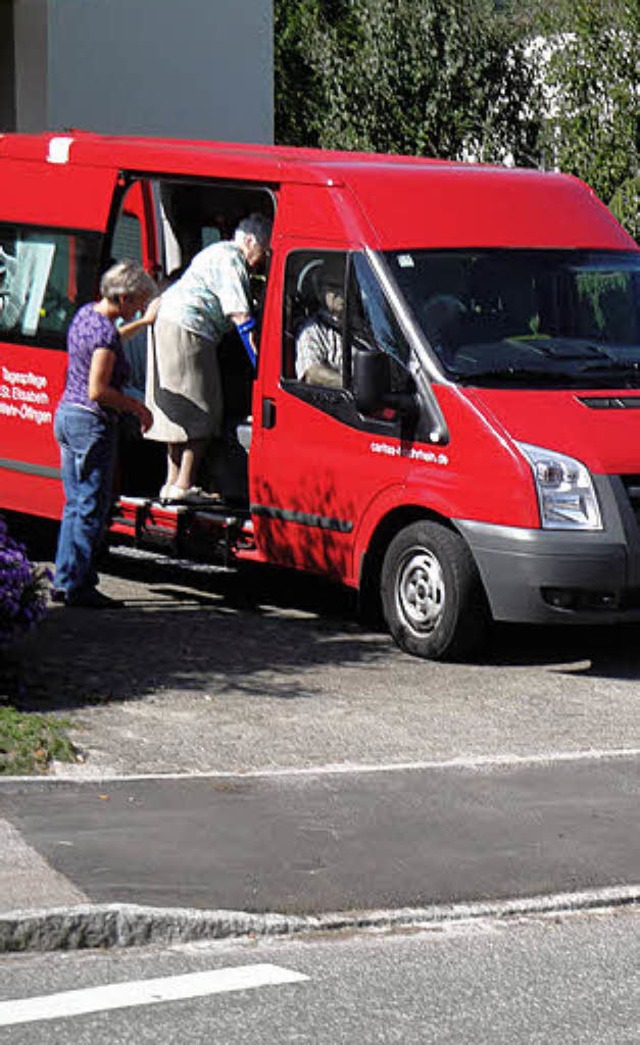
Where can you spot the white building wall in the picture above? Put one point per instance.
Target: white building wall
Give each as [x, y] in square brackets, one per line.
[175, 68]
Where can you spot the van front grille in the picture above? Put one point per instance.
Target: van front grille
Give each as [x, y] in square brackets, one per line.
[631, 485]
[611, 402]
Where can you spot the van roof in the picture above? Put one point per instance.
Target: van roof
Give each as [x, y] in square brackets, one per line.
[407, 201]
[270, 163]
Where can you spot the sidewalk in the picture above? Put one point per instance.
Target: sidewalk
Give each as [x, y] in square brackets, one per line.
[87, 864]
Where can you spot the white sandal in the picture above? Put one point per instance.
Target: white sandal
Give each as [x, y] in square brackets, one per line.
[192, 495]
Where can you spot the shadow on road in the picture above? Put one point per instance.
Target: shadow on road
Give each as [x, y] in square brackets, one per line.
[254, 631]
[193, 631]
[611, 651]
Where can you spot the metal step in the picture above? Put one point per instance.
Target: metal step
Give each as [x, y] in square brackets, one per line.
[214, 532]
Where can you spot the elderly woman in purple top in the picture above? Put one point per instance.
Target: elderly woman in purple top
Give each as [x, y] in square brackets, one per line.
[85, 424]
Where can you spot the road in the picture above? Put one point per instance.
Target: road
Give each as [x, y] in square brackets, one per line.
[314, 843]
[520, 762]
[543, 981]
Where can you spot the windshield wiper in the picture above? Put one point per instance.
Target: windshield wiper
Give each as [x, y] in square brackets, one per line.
[563, 348]
[615, 370]
[632, 365]
[616, 375]
[515, 375]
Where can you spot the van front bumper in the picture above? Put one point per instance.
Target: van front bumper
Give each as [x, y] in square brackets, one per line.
[549, 577]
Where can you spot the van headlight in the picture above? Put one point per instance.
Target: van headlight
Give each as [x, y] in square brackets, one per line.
[565, 490]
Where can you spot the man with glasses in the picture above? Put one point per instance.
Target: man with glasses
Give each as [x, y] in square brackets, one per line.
[319, 342]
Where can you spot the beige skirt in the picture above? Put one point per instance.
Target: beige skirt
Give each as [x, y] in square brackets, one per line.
[183, 388]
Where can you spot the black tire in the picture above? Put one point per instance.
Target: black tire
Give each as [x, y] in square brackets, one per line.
[432, 596]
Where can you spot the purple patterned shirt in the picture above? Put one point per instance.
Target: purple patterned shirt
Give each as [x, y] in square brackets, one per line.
[87, 332]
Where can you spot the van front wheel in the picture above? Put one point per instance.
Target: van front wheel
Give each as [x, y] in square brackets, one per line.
[432, 596]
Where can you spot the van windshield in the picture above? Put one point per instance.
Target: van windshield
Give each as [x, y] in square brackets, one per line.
[527, 318]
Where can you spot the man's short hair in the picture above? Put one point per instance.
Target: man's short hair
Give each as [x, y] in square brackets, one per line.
[257, 225]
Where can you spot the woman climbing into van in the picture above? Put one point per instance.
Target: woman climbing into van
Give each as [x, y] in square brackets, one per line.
[184, 390]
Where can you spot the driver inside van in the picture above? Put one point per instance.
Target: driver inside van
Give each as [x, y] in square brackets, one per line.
[319, 342]
[442, 317]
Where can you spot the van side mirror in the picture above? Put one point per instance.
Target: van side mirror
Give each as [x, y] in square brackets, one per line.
[372, 384]
[371, 378]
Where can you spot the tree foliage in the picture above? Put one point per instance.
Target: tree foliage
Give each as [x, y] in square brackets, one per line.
[429, 77]
[588, 62]
[539, 84]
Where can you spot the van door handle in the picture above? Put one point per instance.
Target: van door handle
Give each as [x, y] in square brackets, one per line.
[268, 413]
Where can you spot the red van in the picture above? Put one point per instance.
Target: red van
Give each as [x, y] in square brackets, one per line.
[474, 454]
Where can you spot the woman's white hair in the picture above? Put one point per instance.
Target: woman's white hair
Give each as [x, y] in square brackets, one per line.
[127, 279]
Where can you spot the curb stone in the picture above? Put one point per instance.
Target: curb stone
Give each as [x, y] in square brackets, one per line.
[129, 925]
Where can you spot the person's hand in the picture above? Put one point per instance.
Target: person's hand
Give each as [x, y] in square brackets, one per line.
[151, 311]
[145, 417]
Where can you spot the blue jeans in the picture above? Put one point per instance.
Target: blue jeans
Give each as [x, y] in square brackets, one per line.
[88, 450]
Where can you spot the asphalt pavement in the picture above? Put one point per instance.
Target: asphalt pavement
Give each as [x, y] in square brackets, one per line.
[303, 845]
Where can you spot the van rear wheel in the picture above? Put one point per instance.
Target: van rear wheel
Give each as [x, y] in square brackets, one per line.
[432, 596]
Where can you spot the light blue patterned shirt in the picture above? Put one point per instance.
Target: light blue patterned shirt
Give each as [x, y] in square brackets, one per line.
[214, 287]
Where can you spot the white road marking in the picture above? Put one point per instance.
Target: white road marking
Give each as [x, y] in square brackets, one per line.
[143, 992]
[84, 775]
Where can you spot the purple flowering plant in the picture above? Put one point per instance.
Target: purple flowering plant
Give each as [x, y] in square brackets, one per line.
[23, 588]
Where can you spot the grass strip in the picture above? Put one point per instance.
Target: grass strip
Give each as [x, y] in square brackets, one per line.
[29, 742]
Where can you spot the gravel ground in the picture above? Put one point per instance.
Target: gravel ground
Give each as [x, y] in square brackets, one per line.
[208, 671]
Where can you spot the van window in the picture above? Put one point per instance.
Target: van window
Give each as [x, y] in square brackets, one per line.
[44, 276]
[371, 321]
[210, 234]
[191, 215]
[327, 310]
[528, 318]
[314, 317]
[127, 238]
